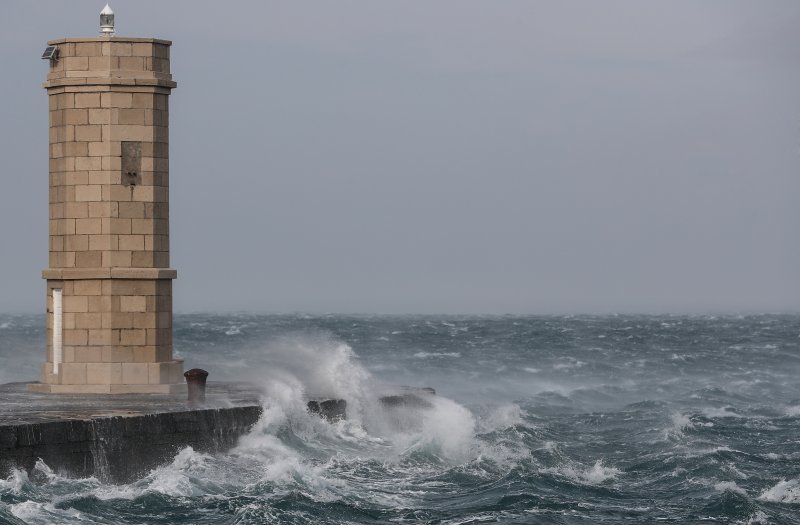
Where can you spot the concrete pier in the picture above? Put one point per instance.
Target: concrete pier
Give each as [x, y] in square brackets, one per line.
[118, 438]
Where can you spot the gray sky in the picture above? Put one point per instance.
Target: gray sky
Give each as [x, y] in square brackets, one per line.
[450, 156]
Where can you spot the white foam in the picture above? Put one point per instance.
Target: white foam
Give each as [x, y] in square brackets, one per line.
[783, 492]
[680, 422]
[792, 411]
[34, 512]
[15, 482]
[599, 473]
[424, 355]
[729, 486]
[234, 330]
[550, 446]
[571, 363]
[447, 430]
[177, 478]
[594, 475]
[759, 518]
[501, 418]
[721, 412]
[29, 511]
[277, 449]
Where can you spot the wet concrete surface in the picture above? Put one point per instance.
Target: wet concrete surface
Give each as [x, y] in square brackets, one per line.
[118, 438]
[18, 406]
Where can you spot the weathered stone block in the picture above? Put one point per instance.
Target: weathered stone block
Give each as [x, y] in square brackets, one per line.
[72, 116]
[88, 320]
[87, 100]
[134, 287]
[135, 63]
[131, 242]
[71, 210]
[117, 354]
[88, 49]
[143, 226]
[135, 373]
[73, 373]
[75, 337]
[116, 100]
[145, 354]
[142, 259]
[131, 210]
[88, 226]
[76, 304]
[117, 258]
[88, 259]
[100, 337]
[88, 133]
[133, 337]
[99, 303]
[87, 354]
[132, 303]
[74, 243]
[104, 373]
[102, 242]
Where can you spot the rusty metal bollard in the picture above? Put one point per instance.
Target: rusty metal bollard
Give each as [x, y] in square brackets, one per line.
[196, 381]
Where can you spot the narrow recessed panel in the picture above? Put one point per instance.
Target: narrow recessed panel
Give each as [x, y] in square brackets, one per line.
[131, 163]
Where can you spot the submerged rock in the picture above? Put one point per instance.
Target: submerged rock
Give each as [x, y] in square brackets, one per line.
[330, 409]
[410, 397]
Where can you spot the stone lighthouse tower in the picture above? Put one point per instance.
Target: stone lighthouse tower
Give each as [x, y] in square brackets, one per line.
[109, 281]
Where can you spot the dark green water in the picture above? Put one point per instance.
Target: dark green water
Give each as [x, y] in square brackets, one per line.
[574, 420]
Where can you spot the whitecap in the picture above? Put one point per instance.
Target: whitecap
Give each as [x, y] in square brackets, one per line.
[681, 422]
[729, 486]
[594, 475]
[721, 412]
[792, 411]
[424, 355]
[571, 363]
[783, 492]
[502, 417]
[447, 429]
[759, 518]
[15, 482]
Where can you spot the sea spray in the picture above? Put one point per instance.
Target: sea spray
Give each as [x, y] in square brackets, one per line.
[301, 364]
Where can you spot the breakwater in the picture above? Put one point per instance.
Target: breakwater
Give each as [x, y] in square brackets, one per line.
[118, 438]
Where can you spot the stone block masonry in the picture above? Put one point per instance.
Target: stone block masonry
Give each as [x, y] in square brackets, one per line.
[109, 218]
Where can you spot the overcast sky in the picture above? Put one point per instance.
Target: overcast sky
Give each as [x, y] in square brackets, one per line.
[448, 156]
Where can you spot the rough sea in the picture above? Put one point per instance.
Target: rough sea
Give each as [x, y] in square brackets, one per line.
[552, 420]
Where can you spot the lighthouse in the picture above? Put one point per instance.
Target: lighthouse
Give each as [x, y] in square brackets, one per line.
[109, 280]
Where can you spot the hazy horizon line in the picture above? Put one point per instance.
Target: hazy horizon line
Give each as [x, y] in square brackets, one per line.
[621, 313]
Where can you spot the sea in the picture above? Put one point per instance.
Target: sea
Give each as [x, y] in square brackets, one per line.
[536, 419]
